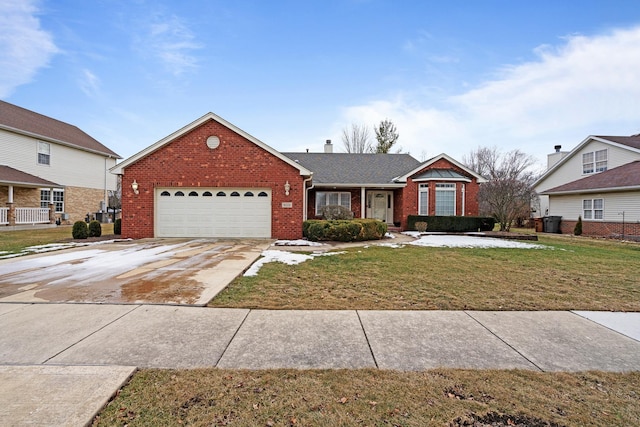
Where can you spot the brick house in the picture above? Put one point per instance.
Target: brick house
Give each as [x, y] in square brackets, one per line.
[49, 169]
[212, 179]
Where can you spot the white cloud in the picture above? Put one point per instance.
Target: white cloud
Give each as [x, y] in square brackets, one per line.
[89, 83]
[170, 40]
[586, 85]
[24, 45]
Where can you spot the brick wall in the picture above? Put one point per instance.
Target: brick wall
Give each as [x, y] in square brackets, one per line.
[601, 229]
[188, 162]
[79, 201]
[409, 200]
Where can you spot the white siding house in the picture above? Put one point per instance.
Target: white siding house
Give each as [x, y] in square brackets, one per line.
[598, 182]
[618, 150]
[47, 163]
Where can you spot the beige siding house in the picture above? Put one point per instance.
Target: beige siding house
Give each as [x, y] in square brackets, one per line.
[50, 170]
[598, 181]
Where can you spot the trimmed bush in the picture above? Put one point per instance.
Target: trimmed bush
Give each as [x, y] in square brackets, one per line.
[117, 226]
[80, 230]
[577, 230]
[344, 230]
[95, 229]
[452, 223]
[334, 212]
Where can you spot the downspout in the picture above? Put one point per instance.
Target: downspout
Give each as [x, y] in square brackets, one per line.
[464, 198]
[305, 199]
[363, 202]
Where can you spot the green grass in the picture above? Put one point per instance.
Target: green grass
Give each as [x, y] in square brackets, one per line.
[16, 241]
[573, 274]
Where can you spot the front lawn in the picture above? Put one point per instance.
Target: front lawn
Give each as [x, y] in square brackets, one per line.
[440, 397]
[573, 274]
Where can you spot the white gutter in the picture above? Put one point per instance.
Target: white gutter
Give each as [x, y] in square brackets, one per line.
[305, 197]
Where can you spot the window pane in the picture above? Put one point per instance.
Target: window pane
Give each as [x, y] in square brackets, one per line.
[587, 215]
[601, 166]
[333, 198]
[598, 203]
[423, 205]
[445, 202]
[601, 155]
[587, 158]
[345, 200]
[598, 214]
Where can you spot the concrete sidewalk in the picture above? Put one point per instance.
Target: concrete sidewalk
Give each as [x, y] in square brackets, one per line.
[71, 346]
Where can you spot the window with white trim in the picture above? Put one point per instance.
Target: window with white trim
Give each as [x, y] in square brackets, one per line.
[332, 198]
[594, 161]
[445, 199]
[593, 209]
[44, 153]
[423, 199]
[58, 199]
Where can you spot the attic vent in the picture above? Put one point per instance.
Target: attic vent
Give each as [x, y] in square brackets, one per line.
[213, 142]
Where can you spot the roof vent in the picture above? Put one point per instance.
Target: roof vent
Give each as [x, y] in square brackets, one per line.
[557, 148]
[328, 147]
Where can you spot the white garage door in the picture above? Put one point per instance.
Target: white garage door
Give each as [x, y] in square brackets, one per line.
[213, 212]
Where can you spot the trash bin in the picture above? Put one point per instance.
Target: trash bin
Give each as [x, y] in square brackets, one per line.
[538, 224]
[552, 224]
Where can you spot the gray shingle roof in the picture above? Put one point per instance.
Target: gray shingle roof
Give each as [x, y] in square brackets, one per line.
[631, 141]
[617, 178]
[17, 118]
[9, 175]
[349, 168]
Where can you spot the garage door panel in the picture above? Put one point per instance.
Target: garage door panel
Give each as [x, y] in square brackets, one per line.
[218, 215]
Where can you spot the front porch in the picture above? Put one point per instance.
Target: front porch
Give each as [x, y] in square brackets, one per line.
[364, 202]
[12, 216]
[22, 192]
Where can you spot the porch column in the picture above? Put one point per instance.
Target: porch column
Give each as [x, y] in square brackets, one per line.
[52, 208]
[363, 202]
[11, 215]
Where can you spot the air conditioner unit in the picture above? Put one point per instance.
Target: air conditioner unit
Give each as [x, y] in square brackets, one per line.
[64, 216]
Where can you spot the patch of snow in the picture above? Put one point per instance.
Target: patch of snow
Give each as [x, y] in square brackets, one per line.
[299, 242]
[449, 241]
[50, 247]
[85, 265]
[414, 234]
[389, 236]
[391, 245]
[283, 257]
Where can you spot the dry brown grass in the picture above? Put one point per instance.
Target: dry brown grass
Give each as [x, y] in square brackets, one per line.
[371, 397]
[575, 274]
[15, 241]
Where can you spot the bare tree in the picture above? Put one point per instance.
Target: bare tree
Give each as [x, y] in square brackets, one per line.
[387, 136]
[357, 139]
[509, 191]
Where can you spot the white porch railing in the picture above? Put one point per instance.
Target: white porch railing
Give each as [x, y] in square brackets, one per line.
[4, 216]
[32, 216]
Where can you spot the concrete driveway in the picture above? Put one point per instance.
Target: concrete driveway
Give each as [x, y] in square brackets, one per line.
[152, 271]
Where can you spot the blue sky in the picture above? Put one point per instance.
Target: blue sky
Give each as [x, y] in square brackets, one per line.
[452, 75]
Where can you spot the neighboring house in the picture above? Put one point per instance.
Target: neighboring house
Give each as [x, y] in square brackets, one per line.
[599, 180]
[49, 169]
[212, 179]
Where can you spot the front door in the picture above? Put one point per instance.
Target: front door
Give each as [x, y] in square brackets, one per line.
[380, 205]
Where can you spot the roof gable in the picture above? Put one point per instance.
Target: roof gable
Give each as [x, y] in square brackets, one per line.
[631, 143]
[355, 168]
[20, 120]
[623, 177]
[442, 156]
[118, 169]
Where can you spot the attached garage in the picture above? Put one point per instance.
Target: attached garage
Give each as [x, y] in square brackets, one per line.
[213, 212]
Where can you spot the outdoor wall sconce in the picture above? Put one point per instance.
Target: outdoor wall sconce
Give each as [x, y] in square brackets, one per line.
[287, 187]
[134, 187]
